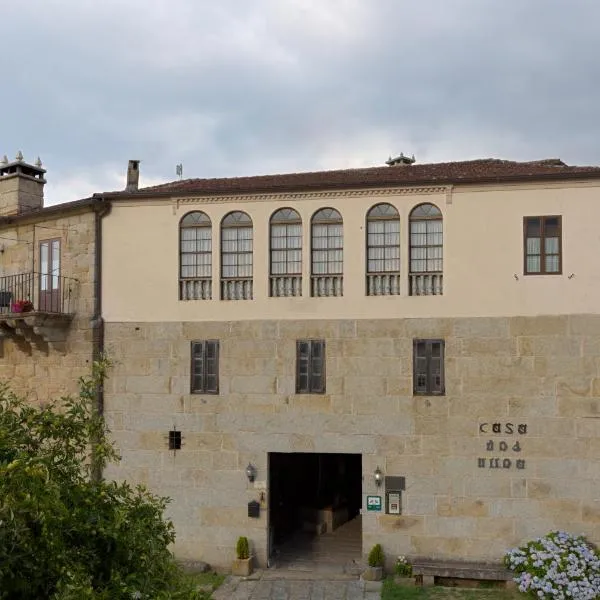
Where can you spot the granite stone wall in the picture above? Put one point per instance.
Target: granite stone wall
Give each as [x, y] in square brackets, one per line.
[509, 452]
[38, 370]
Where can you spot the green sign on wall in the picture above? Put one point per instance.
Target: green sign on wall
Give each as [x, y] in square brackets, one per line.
[374, 503]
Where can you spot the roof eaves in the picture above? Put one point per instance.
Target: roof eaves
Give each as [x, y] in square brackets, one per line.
[49, 211]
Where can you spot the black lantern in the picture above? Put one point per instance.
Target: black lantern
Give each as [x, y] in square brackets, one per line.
[251, 472]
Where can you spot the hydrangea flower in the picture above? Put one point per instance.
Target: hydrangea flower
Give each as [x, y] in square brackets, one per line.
[559, 566]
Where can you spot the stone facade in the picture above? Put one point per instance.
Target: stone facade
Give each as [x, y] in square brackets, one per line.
[509, 452]
[33, 367]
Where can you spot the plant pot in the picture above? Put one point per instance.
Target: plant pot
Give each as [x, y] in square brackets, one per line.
[404, 580]
[373, 574]
[242, 567]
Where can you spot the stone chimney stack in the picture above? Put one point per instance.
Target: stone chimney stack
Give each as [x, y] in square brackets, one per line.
[21, 185]
[133, 176]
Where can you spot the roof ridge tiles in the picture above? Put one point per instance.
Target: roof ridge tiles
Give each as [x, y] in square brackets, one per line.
[481, 170]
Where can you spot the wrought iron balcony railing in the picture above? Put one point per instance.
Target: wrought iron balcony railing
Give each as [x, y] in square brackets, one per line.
[38, 292]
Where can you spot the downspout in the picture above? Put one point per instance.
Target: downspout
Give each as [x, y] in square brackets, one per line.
[102, 209]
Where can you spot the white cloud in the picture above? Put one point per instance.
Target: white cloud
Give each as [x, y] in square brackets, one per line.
[238, 88]
[66, 188]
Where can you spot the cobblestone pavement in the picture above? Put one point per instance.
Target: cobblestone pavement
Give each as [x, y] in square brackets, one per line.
[289, 586]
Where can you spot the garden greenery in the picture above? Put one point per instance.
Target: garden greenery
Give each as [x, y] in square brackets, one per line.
[242, 548]
[65, 534]
[402, 567]
[557, 565]
[376, 557]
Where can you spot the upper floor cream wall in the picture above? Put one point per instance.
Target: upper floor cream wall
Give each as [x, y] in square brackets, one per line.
[483, 256]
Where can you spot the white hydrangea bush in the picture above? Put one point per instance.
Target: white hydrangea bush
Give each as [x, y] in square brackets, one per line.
[557, 565]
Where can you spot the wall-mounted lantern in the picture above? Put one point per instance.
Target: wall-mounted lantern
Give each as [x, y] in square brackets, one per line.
[251, 472]
[378, 476]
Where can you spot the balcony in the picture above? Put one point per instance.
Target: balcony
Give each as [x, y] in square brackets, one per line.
[37, 307]
[199, 288]
[327, 285]
[383, 284]
[286, 285]
[426, 284]
[236, 288]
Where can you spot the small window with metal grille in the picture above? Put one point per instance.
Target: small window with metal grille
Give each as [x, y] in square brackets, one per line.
[174, 440]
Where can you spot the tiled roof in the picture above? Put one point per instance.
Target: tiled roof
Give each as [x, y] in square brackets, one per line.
[487, 170]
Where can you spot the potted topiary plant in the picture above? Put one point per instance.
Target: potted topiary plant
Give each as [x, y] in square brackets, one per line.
[374, 571]
[242, 565]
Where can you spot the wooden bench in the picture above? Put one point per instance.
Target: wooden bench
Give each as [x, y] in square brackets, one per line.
[426, 570]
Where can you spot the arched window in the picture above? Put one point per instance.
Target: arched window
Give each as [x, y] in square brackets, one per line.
[327, 249]
[195, 257]
[286, 253]
[236, 256]
[383, 251]
[426, 251]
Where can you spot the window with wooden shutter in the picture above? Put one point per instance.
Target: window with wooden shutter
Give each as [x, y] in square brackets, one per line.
[428, 367]
[310, 367]
[205, 367]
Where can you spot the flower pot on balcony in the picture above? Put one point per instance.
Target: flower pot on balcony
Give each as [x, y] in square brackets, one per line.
[21, 306]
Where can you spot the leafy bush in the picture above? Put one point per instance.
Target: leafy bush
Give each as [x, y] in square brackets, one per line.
[557, 566]
[376, 557]
[65, 534]
[242, 548]
[402, 567]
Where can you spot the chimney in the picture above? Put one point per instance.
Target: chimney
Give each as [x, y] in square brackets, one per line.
[400, 161]
[133, 176]
[21, 185]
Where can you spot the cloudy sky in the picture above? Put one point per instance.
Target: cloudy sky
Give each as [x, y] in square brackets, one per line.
[232, 87]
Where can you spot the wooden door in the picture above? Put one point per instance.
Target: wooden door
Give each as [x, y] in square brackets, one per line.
[50, 295]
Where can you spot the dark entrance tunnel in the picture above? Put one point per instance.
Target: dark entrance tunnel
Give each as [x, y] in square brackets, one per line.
[313, 493]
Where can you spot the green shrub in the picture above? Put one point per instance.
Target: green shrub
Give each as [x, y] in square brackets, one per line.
[65, 533]
[376, 556]
[242, 548]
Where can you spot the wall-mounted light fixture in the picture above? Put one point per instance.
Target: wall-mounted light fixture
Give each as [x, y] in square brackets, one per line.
[378, 476]
[251, 472]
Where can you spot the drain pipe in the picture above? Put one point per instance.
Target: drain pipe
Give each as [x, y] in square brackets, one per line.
[102, 209]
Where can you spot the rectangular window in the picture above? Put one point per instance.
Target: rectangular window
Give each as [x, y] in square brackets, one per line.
[428, 367]
[205, 367]
[310, 367]
[542, 245]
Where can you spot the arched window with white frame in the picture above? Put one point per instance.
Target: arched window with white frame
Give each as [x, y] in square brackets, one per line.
[195, 257]
[327, 253]
[383, 251]
[426, 251]
[285, 253]
[236, 256]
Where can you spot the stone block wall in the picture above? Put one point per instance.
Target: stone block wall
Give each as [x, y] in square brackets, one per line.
[508, 453]
[40, 371]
